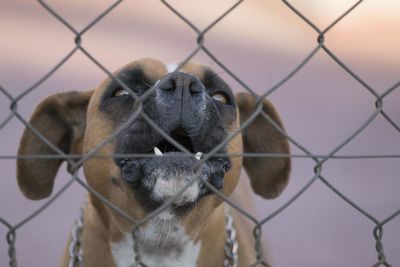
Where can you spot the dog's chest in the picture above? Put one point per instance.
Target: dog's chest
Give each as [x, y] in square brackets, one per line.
[163, 243]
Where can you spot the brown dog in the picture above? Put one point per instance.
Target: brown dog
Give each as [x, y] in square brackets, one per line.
[197, 109]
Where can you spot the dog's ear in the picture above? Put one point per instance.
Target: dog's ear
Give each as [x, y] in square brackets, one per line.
[61, 119]
[268, 175]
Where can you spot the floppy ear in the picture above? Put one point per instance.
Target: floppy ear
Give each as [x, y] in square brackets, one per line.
[268, 175]
[61, 119]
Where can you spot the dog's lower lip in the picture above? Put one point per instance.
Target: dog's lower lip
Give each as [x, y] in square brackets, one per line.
[142, 175]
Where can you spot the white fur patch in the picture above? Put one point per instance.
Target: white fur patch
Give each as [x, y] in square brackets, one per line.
[171, 67]
[163, 243]
[168, 187]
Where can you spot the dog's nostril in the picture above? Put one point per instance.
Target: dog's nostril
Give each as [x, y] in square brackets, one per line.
[195, 86]
[181, 81]
[168, 85]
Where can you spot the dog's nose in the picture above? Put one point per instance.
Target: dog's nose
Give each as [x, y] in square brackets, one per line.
[181, 101]
[180, 81]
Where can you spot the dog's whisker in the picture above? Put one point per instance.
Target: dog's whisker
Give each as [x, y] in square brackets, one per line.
[217, 113]
[211, 64]
[169, 230]
[108, 118]
[158, 221]
[159, 239]
[145, 83]
[230, 128]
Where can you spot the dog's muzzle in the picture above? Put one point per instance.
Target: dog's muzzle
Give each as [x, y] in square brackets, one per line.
[181, 107]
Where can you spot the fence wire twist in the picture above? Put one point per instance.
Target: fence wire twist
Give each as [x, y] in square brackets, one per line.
[319, 160]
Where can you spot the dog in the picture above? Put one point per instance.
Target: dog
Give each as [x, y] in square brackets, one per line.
[196, 108]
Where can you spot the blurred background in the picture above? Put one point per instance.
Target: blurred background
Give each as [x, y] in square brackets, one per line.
[261, 42]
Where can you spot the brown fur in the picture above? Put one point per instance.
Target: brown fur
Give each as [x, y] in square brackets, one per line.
[61, 120]
[71, 122]
[268, 175]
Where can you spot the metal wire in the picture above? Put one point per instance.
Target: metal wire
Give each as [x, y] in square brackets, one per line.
[319, 160]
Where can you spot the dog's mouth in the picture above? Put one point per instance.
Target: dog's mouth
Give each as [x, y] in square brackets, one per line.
[180, 136]
[157, 179]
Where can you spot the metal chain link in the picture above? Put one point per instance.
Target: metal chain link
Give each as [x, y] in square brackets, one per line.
[138, 257]
[378, 234]
[231, 244]
[75, 249]
[231, 247]
[11, 238]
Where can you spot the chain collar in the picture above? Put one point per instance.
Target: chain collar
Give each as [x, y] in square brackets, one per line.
[75, 247]
[231, 244]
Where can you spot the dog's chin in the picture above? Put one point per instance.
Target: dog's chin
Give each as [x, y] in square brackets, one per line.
[173, 176]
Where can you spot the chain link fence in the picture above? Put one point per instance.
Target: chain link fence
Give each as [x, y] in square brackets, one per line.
[201, 34]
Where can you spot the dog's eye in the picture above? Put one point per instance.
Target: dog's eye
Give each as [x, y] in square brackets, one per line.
[120, 92]
[220, 98]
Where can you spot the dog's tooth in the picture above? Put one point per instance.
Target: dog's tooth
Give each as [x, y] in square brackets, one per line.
[198, 155]
[157, 151]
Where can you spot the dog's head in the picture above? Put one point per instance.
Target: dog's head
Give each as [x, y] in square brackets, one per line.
[193, 106]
